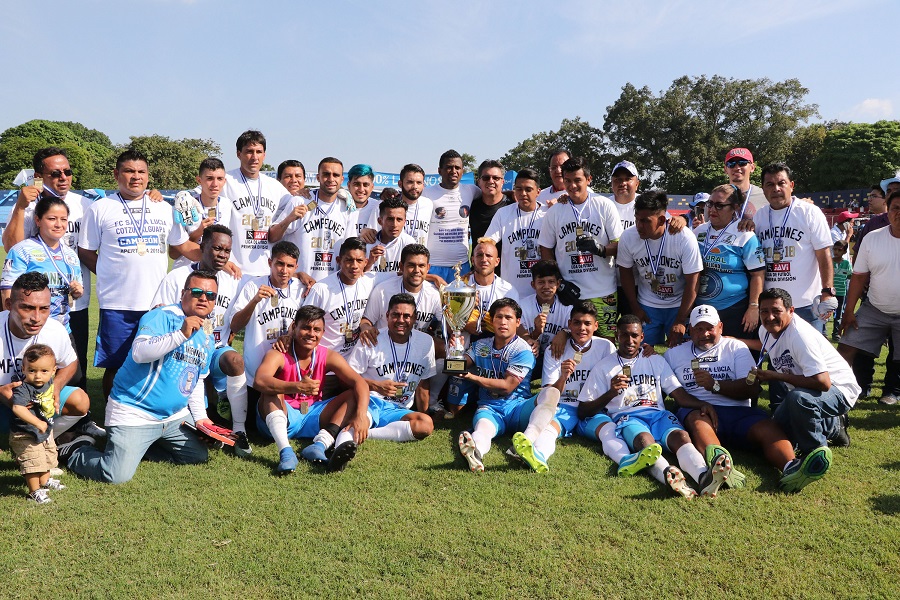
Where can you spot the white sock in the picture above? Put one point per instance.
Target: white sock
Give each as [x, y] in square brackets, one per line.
[398, 431]
[483, 434]
[546, 442]
[547, 402]
[658, 470]
[63, 423]
[236, 389]
[437, 382]
[613, 446]
[690, 460]
[344, 436]
[324, 438]
[276, 421]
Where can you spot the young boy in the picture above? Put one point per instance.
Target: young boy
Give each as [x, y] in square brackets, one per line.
[842, 272]
[30, 433]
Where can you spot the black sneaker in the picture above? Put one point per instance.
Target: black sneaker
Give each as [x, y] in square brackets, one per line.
[841, 437]
[87, 426]
[64, 451]
[341, 456]
[242, 444]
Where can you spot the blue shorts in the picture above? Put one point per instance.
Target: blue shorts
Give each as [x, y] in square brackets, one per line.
[299, 425]
[588, 427]
[216, 375]
[115, 335]
[458, 391]
[661, 321]
[384, 412]
[6, 414]
[447, 273]
[506, 415]
[734, 423]
[658, 423]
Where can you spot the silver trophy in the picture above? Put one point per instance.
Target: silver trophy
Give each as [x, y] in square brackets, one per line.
[458, 300]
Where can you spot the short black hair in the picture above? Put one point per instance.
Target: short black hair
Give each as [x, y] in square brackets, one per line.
[490, 164]
[584, 307]
[329, 160]
[776, 167]
[545, 268]
[414, 250]
[775, 294]
[131, 154]
[199, 274]
[575, 163]
[214, 228]
[289, 163]
[350, 244]
[505, 303]
[210, 164]
[556, 152]
[35, 352]
[528, 173]
[389, 203]
[33, 281]
[287, 248]
[37, 161]
[653, 200]
[251, 136]
[894, 194]
[402, 298]
[448, 156]
[626, 320]
[308, 314]
[411, 168]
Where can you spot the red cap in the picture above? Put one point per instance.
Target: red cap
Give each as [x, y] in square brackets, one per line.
[739, 154]
[846, 216]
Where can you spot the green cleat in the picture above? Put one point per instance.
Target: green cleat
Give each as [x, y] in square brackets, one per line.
[736, 479]
[798, 474]
[638, 461]
[715, 476]
[526, 450]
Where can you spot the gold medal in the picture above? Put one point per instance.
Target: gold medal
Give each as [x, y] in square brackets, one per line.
[382, 264]
[545, 309]
[695, 364]
[211, 213]
[39, 184]
[626, 371]
[311, 206]
[776, 256]
[577, 357]
[579, 231]
[273, 300]
[654, 285]
[142, 247]
[208, 326]
[304, 407]
[348, 335]
[255, 224]
[751, 377]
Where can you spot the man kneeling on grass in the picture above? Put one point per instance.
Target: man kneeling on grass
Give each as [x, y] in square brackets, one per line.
[157, 390]
[291, 403]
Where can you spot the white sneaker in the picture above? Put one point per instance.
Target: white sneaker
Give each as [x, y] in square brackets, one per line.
[53, 484]
[40, 496]
[470, 452]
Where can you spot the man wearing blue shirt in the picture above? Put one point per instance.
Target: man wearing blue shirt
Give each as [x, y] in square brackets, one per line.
[157, 390]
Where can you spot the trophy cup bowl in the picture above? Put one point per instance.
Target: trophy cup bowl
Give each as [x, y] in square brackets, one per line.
[458, 300]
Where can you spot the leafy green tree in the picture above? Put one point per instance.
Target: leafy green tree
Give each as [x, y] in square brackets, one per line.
[574, 135]
[857, 155]
[679, 138]
[173, 163]
[470, 163]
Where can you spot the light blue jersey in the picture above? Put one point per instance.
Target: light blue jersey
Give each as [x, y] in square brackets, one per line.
[728, 256]
[162, 387]
[516, 358]
[60, 265]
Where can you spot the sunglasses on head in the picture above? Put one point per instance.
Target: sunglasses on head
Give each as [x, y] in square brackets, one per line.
[198, 293]
[57, 173]
[737, 163]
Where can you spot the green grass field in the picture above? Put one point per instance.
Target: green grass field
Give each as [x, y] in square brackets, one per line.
[410, 521]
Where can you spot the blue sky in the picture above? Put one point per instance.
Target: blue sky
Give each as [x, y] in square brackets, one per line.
[394, 82]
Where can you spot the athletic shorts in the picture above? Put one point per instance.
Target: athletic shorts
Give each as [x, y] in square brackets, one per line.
[734, 423]
[384, 412]
[447, 273]
[661, 321]
[567, 418]
[115, 335]
[299, 425]
[874, 327]
[658, 423]
[216, 374]
[458, 391]
[507, 415]
[588, 427]
[607, 315]
[6, 412]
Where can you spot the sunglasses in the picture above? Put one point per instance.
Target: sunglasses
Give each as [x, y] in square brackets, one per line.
[737, 163]
[719, 205]
[198, 293]
[57, 173]
[491, 178]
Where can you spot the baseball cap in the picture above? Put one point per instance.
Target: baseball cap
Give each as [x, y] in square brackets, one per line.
[698, 198]
[628, 166]
[846, 216]
[886, 182]
[739, 154]
[705, 313]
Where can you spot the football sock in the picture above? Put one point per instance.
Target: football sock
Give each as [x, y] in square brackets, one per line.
[546, 442]
[613, 446]
[344, 436]
[63, 423]
[332, 429]
[658, 470]
[546, 404]
[325, 438]
[690, 460]
[236, 389]
[482, 435]
[398, 431]
[276, 421]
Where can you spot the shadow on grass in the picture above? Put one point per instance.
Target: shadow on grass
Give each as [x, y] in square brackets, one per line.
[12, 484]
[886, 504]
[875, 420]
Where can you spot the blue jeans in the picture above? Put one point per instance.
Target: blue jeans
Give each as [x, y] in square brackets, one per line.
[127, 445]
[808, 417]
[807, 315]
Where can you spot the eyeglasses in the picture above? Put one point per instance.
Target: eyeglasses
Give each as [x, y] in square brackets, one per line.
[491, 178]
[719, 205]
[737, 163]
[198, 293]
[57, 173]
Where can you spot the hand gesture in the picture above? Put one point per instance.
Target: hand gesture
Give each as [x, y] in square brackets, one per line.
[191, 325]
[308, 386]
[27, 195]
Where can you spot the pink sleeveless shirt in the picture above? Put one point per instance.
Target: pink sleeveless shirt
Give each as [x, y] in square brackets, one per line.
[289, 373]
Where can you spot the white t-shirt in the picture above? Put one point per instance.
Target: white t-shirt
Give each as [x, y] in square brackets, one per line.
[267, 323]
[650, 377]
[596, 217]
[626, 214]
[548, 194]
[53, 334]
[428, 303]
[169, 292]
[729, 360]
[411, 363]
[189, 220]
[678, 255]
[387, 267]
[599, 349]
[365, 214]
[448, 234]
[879, 255]
[518, 233]
[418, 219]
[802, 229]
[254, 204]
[557, 320]
[344, 306]
[78, 206]
[127, 280]
[803, 350]
[319, 234]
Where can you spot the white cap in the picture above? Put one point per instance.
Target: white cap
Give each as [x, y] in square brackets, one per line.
[705, 313]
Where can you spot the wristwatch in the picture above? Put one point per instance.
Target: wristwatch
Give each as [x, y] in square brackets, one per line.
[828, 290]
[716, 387]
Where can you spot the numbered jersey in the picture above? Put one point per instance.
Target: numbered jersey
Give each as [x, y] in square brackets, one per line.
[407, 363]
[344, 306]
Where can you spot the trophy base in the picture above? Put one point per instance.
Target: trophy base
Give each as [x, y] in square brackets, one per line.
[455, 366]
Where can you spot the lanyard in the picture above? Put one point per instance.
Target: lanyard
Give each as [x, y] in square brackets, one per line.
[281, 294]
[763, 351]
[390, 244]
[312, 362]
[411, 231]
[707, 247]
[398, 370]
[631, 363]
[574, 212]
[65, 276]
[505, 350]
[654, 265]
[415, 297]
[704, 353]
[140, 230]
[746, 202]
[258, 198]
[776, 239]
[533, 216]
[582, 348]
[348, 310]
[12, 353]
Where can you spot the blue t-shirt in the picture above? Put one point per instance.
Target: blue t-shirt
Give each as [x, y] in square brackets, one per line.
[728, 256]
[516, 358]
[161, 388]
[60, 265]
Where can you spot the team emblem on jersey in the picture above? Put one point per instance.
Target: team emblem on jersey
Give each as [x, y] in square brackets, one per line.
[37, 255]
[483, 351]
[440, 212]
[464, 211]
[187, 380]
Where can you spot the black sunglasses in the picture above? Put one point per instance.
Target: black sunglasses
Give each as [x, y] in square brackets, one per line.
[737, 163]
[198, 293]
[57, 173]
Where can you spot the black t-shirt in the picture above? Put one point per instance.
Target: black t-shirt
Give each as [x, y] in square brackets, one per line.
[480, 216]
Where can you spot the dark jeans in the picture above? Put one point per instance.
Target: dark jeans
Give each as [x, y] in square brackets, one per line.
[78, 321]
